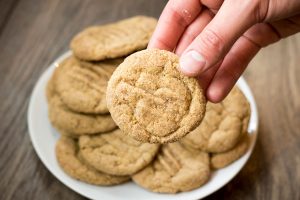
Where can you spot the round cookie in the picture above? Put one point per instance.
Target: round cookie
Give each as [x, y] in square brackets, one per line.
[64, 119]
[50, 89]
[223, 124]
[113, 40]
[220, 160]
[67, 134]
[175, 169]
[82, 85]
[116, 153]
[151, 100]
[70, 161]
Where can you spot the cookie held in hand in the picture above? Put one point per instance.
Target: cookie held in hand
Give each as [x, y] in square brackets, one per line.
[151, 100]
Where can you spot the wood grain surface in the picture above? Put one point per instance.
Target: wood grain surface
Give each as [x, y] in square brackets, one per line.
[34, 32]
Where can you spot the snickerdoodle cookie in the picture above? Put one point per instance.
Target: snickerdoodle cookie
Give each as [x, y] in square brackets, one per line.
[70, 160]
[220, 160]
[151, 100]
[115, 153]
[64, 119]
[113, 40]
[223, 125]
[175, 169]
[82, 85]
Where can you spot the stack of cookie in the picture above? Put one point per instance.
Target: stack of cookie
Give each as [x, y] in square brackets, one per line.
[91, 148]
[143, 120]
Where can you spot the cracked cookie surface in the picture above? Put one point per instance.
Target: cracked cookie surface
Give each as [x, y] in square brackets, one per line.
[116, 153]
[82, 85]
[113, 40]
[70, 160]
[151, 100]
[175, 169]
[223, 124]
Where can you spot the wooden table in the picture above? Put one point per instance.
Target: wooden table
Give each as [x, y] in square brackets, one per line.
[34, 32]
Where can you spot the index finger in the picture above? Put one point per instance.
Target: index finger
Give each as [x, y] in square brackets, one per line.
[176, 16]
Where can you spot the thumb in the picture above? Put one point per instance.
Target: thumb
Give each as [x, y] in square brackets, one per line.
[213, 43]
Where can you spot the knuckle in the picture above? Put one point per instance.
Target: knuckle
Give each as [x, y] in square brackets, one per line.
[181, 17]
[212, 42]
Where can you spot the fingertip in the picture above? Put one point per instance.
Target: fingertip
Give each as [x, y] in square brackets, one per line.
[215, 94]
[192, 63]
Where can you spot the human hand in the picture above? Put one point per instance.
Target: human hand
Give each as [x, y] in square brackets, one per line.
[217, 39]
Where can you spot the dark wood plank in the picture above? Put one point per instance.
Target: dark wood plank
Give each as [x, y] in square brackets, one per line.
[36, 32]
[6, 9]
[273, 171]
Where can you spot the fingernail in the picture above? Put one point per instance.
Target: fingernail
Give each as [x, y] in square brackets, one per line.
[192, 63]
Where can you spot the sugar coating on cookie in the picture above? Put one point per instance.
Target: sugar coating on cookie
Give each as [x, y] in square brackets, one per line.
[82, 85]
[113, 40]
[64, 119]
[223, 124]
[220, 160]
[175, 169]
[69, 159]
[116, 153]
[151, 100]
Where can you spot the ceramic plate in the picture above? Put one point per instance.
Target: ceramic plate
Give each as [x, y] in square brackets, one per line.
[44, 137]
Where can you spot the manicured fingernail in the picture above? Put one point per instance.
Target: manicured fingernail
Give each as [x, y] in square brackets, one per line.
[192, 63]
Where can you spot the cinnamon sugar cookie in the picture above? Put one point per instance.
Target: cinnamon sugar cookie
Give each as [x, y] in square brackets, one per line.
[220, 160]
[223, 125]
[63, 118]
[113, 40]
[82, 85]
[70, 161]
[151, 100]
[175, 169]
[116, 153]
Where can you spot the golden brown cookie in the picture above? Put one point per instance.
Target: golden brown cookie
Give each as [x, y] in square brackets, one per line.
[64, 119]
[175, 169]
[115, 153]
[220, 160]
[223, 124]
[113, 40]
[151, 100]
[50, 89]
[82, 85]
[70, 161]
[67, 134]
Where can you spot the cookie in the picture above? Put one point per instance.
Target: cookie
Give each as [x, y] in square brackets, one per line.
[116, 153]
[151, 100]
[64, 119]
[113, 40]
[220, 160]
[223, 125]
[82, 85]
[67, 134]
[175, 169]
[50, 89]
[70, 161]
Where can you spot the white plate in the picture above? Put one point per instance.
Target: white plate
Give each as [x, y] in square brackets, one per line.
[44, 137]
